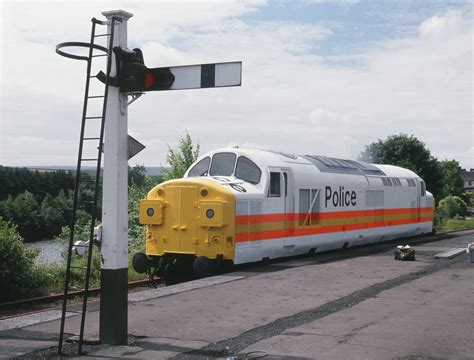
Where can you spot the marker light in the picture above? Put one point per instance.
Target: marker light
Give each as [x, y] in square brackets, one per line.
[150, 212]
[210, 213]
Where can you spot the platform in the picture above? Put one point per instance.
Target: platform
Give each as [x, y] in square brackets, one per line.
[355, 304]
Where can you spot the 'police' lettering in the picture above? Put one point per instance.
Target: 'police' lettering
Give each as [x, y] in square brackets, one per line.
[341, 197]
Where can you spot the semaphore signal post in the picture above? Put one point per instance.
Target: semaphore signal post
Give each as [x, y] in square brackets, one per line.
[125, 79]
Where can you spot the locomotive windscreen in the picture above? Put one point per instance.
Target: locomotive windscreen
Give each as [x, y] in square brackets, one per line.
[222, 164]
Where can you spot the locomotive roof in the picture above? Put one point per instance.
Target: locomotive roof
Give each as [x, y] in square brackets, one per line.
[324, 164]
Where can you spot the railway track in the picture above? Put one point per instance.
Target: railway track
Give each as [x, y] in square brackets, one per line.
[27, 306]
[33, 305]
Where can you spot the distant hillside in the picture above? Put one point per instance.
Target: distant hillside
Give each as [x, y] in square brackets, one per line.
[150, 171]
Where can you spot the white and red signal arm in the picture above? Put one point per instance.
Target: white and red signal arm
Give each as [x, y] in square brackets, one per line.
[133, 76]
[138, 78]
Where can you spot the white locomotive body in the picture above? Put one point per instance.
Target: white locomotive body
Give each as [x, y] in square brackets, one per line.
[308, 204]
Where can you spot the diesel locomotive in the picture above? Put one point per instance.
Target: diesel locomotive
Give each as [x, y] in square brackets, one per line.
[236, 206]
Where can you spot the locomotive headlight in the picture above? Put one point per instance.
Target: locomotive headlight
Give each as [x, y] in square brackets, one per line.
[210, 213]
[151, 212]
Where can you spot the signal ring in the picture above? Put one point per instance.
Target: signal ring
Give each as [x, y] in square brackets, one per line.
[77, 44]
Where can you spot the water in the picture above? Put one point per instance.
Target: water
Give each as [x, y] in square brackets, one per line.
[50, 251]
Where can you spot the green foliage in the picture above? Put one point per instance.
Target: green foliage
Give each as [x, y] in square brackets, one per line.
[136, 232]
[54, 213]
[135, 194]
[81, 232]
[180, 158]
[42, 213]
[451, 178]
[468, 197]
[453, 206]
[408, 152]
[24, 211]
[20, 276]
[14, 181]
[459, 224]
[37, 219]
[137, 175]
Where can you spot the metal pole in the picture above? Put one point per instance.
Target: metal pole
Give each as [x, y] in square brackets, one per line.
[114, 250]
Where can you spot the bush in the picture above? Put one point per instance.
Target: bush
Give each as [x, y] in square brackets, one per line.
[20, 277]
[468, 197]
[453, 206]
[81, 232]
[136, 232]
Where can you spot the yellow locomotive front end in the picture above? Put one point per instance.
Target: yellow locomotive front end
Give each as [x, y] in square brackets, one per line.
[190, 229]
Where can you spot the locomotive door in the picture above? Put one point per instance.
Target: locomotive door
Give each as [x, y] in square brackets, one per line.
[181, 214]
[418, 201]
[289, 201]
[280, 199]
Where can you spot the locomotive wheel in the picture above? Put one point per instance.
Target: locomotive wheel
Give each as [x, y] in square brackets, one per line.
[140, 263]
[203, 267]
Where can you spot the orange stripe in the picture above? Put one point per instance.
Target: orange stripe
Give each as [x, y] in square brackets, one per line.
[275, 234]
[246, 219]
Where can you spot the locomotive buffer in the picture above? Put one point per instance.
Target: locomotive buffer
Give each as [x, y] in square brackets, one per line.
[127, 78]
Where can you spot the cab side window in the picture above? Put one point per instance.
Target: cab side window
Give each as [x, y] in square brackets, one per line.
[275, 185]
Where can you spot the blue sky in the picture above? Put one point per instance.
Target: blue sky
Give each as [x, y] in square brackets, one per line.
[320, 77]
[355, 25]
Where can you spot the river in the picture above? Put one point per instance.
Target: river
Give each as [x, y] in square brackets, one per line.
[50, 251]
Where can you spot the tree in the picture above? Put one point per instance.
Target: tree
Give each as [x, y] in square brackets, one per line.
[181, 158]
[136, 175]
[453, 206]
[451, 177]
[24, 211]
[468, 198]
[408, 152]
[14, 181]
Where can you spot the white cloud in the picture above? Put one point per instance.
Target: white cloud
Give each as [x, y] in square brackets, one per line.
[442, 25]
[291, 99]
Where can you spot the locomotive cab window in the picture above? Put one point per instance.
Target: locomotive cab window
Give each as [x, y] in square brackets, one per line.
[222, 164]
[275, 185]
[201, 168]
[247, 170]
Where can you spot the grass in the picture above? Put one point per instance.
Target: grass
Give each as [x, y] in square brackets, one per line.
[445, 224]
[459, 224]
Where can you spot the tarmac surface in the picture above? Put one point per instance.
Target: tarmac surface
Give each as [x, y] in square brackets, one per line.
[353, 304]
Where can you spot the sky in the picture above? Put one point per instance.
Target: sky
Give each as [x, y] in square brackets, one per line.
[319, 77]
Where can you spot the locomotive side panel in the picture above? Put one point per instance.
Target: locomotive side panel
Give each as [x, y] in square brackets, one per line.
[312, 211]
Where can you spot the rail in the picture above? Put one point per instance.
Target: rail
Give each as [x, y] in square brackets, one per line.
[16, 306]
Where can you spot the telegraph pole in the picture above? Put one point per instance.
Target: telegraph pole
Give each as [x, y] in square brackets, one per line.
[114, 249]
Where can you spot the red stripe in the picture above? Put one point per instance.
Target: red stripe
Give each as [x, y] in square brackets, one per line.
[246, 219]
[275, 234]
